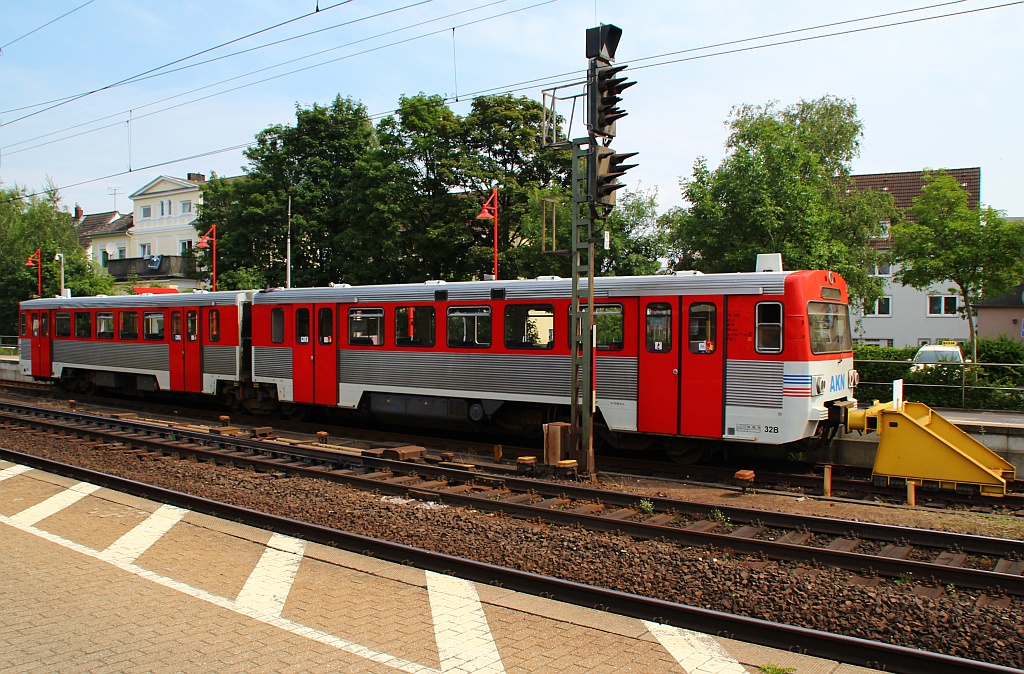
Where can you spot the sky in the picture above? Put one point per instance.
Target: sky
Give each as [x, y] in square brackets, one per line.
[933, 92]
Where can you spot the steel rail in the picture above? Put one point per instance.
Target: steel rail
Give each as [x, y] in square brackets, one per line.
[852, 650]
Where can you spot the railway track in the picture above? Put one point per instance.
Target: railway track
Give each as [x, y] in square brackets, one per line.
[934, 558]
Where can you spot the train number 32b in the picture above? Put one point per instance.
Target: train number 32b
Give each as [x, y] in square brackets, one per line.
[771, 429]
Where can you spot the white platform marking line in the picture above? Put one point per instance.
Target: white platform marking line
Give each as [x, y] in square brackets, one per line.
[13, 471]
[464, 639]
[282, 623]
[131, 545]
[54, 504]
[695, 652]
[268, 585]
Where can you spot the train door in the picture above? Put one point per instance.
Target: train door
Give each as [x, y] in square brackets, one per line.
[325, 350]
[658, 385]
[303, 372]
[702, 348]
[193, 348]
[39, 332]
[176, 350]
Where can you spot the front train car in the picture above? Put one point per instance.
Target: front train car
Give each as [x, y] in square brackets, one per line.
[790, 374]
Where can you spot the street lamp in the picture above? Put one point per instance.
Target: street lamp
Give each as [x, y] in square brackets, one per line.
[490, 210]
[204, 242]
[60, 256]
[37, 256]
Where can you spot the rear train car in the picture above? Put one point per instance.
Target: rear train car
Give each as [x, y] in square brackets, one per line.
[753, 357]
[188, 343]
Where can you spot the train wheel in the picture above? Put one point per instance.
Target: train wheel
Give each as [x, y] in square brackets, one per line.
[295, 412]
[688, 451]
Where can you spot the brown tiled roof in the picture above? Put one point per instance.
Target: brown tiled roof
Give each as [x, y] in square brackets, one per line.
[97, 224]
[904, 187]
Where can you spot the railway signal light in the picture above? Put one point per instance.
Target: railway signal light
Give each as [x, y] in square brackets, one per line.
[605, 87]
[606, 168]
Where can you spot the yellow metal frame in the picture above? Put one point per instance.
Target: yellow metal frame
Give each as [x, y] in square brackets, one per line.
[917, 444]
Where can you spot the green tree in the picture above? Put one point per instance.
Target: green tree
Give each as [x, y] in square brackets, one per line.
[636, 236]
[28, 223]
[975, 250]
[783, 187]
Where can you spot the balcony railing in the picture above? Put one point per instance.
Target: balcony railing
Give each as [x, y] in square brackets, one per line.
[154, 266]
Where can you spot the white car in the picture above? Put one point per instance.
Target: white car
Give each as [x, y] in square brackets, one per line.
[931, 354]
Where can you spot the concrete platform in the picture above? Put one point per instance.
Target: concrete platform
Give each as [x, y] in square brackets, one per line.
[97, 581]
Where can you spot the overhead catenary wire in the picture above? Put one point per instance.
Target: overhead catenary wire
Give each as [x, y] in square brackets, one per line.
[553, 80]
[39, 28]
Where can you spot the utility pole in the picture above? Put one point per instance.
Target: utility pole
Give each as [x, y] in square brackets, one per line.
[596, 169]
[288, 248]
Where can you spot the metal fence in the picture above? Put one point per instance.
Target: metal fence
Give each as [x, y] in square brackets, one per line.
[8, 345]
[994, 386]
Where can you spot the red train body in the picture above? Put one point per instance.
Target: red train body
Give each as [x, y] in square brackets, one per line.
[760, 357]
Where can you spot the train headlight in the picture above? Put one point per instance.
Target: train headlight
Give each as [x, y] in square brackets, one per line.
[853, 378]
[820, 385]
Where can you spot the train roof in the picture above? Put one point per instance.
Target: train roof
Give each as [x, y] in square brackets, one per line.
[222, 298]
[759, 283]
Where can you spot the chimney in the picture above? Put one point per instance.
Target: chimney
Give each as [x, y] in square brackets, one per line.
[196, 178]
[79, 214]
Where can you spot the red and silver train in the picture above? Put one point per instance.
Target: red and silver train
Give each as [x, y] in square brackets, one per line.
[759, 357]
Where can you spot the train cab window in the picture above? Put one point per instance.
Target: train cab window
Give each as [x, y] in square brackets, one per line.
[62, 324]
[214, 332]
[277, 325]
[129, 328]
[529, 326]
[415, 326]
[366, 327]
[302, 326]
[153, 325]
[325, 325]
[768, 328]
[829, 324]
[35, 324]
[192, 325]
[24, 324]
[659, 327]
[44, 325]
[83, 324]
[702, 331]
[469, 327]
[175, 326]
[105, 325]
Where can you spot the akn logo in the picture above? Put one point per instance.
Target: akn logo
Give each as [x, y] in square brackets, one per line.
[838, 383]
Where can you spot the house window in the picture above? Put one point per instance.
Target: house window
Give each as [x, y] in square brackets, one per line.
[185, 246]
[147, 211]
[769, 327]
[883, 230]
[186, 207]
[170, 211]
[884, 269]
[145, 249]
[529, 326]
[161, 208]
[880, 307]
[104, 258]
[942, 305]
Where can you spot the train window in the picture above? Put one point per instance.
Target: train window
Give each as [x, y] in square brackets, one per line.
[153, 325]
[302, 326]
[830, 327]
[105, 325]
[414, 326]
[529, 326]
[325, 325]
[214, 332]
[83, 324]
[366, 327]
[175, 326]
[44, 325]
[24, 324]
[192, 325]
[469, 327]
[768, 329]
[659, 327]
[35, 324]
[277, 325]
[702, 337]
[608, 325]
[129, 328]
[62, 324]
